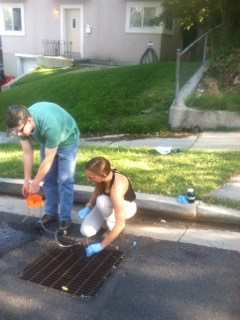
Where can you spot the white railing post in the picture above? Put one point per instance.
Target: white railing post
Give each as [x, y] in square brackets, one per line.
[205, 49]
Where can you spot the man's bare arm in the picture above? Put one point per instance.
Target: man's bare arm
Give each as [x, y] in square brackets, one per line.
[27, 163]
[43, 169]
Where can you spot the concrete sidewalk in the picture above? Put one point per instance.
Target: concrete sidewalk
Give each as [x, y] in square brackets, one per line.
[204, 140]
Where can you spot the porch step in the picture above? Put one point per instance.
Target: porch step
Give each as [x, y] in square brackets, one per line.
[77, 62]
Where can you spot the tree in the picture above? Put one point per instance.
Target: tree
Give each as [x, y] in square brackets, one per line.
[204, 13]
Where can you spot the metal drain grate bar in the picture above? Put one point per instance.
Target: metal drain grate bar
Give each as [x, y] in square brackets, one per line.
[70, 270]
[100, 270]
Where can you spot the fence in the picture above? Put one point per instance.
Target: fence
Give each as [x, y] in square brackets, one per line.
[191, 59]
[57, 48]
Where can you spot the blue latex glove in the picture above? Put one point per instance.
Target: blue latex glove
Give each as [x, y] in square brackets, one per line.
[93, 248]
[182, 199]
[83, 212]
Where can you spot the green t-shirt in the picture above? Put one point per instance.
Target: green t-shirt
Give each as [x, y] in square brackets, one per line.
[55, 127]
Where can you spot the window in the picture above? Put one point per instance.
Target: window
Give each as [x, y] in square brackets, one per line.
[74, 23]
[11, 19]
[140, 17]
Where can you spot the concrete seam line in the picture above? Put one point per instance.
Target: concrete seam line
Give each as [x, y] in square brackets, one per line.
[196, 212]
[183, 233]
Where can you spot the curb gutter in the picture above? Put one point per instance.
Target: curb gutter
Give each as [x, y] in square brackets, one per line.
[167, 207]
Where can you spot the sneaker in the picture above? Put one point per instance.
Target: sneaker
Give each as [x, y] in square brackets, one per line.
[46, 219]
[64, 226]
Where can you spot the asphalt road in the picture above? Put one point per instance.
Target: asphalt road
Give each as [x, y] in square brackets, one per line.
[158, 279]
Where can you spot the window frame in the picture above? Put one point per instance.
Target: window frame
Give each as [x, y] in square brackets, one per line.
[150, 30]
[4, 32]
[153, 29]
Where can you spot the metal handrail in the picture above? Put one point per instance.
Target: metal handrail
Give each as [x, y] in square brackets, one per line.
[179, 53]
[198, 39]
[57, 48]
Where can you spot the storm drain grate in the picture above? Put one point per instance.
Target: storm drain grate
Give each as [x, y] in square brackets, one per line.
[69, 270]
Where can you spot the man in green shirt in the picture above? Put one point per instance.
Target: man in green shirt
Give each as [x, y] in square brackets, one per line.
[58, 134]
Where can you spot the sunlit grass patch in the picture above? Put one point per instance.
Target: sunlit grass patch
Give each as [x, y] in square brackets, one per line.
[149, 172]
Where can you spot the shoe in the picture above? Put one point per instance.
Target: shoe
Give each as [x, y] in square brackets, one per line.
[46, 219]
[64, 226]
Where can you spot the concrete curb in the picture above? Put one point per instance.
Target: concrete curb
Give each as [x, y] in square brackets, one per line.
[166, 207]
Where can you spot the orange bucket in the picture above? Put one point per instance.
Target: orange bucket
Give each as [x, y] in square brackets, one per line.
[34, 201]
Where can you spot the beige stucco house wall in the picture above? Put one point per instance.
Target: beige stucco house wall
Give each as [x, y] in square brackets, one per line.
[103, 32]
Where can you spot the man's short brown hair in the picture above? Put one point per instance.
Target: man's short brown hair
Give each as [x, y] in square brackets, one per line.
[16, 116]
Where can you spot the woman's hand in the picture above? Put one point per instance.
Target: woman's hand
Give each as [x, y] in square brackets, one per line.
[83, 212]
[93, 248]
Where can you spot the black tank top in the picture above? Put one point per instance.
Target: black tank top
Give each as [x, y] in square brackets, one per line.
[129, 195]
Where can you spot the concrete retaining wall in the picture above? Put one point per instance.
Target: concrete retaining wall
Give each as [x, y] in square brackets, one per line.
[54, 62]
[182, 117]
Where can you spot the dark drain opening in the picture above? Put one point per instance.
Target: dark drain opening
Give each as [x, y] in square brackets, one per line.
[71, 271]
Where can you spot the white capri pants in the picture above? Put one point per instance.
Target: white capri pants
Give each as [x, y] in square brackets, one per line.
[103, 211]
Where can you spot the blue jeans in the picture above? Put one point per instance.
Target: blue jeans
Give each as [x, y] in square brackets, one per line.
[58, 183]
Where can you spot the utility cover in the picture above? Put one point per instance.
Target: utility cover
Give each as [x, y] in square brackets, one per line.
[69, 270]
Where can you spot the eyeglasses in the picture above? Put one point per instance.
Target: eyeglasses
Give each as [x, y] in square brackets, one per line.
[22, 129]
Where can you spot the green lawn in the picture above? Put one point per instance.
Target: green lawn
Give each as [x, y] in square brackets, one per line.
[104, 101]
[219, 91]
[149, 171]
[226, 101]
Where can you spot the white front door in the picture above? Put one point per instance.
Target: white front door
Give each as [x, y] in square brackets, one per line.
[73, 29]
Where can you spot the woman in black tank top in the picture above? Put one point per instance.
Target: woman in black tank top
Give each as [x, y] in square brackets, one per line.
[129, 194]
[112, 201]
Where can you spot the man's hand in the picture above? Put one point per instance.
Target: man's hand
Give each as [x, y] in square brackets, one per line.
[34, 188]
[93, 248]
[25, 189]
